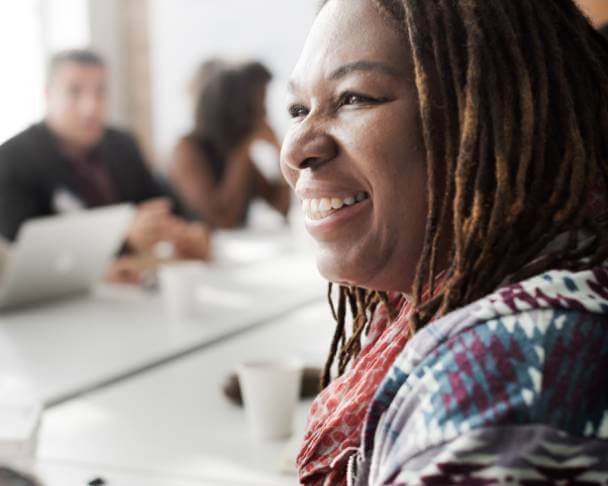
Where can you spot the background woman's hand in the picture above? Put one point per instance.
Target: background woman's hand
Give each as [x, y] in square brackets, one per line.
[266, 133]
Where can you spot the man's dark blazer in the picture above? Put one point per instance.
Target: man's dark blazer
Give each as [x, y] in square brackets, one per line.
[33, 170]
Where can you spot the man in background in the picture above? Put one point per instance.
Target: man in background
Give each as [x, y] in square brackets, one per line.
[73, 160]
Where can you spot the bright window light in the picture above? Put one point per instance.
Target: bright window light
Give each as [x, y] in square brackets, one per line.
[30, 30]
[67, 24]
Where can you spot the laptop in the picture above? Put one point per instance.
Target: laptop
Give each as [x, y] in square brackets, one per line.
[64, 255]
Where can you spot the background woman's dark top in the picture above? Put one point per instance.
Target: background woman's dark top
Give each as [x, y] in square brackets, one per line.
[212, 167]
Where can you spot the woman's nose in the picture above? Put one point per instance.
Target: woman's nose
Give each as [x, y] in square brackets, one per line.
[308, 147]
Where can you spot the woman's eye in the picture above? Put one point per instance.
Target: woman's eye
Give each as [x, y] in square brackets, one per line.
[355, 99]
[297, 111]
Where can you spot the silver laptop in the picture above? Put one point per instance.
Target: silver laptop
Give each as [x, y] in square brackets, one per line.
[63, 255]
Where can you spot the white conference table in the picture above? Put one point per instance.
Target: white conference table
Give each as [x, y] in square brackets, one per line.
[58, 351]
[133, 395]
[173, 426]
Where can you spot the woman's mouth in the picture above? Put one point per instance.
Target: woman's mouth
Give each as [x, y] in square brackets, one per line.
[322, 208]
[327, 218]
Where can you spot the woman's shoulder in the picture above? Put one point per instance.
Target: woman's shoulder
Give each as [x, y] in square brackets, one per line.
[551, 292]
[188, 143]
[543, 365]
[188, 151]
[503, 397]
[524, 332]
[531, 357]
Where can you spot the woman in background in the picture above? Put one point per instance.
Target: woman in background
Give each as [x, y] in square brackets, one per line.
[212, 167]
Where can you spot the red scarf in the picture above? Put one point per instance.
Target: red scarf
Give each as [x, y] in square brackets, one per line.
[336, 417]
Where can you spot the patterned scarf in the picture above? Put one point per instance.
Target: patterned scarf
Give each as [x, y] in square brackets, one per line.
[336, 417]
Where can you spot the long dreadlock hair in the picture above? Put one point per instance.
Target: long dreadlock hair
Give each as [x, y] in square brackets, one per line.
[513, 100]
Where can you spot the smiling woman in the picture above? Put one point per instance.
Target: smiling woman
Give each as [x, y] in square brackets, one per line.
[451, 158]
[364, 116]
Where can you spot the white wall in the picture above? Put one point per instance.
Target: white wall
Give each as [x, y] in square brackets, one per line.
[22, 78]
[31, 30]
[107, 39]
[65, 24]
[186, 32]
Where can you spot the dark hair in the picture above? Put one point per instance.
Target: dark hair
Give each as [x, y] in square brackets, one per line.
[78, 56]
[604, 31]
[205, 72]
[513, 100]
[228, 108]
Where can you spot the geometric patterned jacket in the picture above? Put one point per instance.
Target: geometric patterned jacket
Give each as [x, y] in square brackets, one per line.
[511, 389]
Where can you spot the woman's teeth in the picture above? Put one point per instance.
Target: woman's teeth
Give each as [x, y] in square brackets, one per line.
[321, 208]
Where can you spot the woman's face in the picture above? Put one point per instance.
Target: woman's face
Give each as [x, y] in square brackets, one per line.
[354, 153]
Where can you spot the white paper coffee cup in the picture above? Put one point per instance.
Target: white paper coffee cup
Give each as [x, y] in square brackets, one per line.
[270, 391]
[179, 282]
[19, 426]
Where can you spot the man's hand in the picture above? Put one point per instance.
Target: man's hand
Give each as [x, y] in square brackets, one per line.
[153, 222]
[192, 242]
[125, 270]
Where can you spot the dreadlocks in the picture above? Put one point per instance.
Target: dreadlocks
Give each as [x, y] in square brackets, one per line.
[513, 100]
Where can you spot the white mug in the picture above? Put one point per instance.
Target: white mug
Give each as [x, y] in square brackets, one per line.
[179, 282]
[270, 391]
